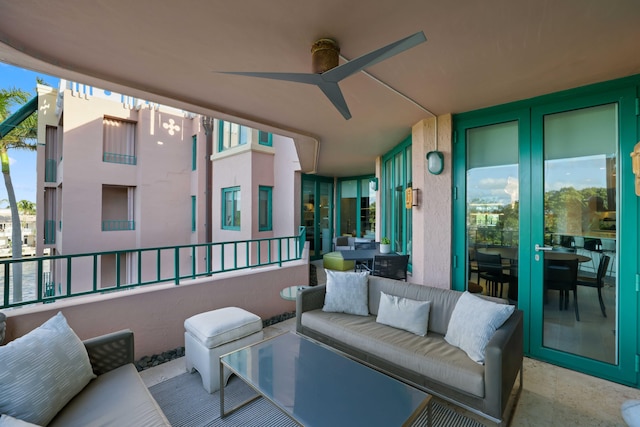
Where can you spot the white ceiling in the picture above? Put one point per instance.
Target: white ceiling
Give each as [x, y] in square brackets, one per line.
[478, 53]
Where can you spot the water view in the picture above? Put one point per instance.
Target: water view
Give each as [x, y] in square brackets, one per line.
[29, 280]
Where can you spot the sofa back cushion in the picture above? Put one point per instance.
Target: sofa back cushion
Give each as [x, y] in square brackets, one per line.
[443, 301]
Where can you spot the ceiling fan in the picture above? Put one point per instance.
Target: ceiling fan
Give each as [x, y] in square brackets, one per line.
[327, 74]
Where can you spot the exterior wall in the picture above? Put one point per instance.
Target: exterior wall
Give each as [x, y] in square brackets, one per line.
[46, 117]
[286, 188]
[432, 226]
[159, 178]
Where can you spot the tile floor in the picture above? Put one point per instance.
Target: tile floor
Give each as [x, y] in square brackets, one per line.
[552, 396]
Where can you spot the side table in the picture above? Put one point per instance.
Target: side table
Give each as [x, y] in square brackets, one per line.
[290, 293]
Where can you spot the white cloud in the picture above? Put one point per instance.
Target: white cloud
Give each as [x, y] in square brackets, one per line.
[12, 161]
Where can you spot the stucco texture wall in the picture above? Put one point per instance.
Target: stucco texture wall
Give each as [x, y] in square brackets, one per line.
[432, 219]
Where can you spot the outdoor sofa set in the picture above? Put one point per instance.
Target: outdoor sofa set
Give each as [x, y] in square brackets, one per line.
[51, 378]
[460, 347]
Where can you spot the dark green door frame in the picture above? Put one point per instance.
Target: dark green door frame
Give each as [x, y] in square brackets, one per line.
[316, 181]
[529, 114]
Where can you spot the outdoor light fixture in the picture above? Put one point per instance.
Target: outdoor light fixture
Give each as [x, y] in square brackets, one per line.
[435, 162]
[373, 184]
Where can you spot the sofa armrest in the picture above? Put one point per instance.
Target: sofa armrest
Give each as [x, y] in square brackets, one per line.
[503, 360]
[307, 300]
[110, 351]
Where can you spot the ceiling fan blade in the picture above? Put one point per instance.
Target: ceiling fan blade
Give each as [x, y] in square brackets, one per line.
[345, 70]
[313, 79]
[333, 92]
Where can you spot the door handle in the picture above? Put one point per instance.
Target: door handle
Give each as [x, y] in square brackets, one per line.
[539, 248]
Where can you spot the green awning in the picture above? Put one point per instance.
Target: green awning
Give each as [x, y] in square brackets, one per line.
[18, 117]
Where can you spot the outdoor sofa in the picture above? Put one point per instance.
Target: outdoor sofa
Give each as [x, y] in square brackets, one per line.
[59, 380]
[428, 362]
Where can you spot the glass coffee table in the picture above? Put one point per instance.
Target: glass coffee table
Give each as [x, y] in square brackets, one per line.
[316, 386]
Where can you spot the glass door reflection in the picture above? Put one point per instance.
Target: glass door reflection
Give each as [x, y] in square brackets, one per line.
[580, 194]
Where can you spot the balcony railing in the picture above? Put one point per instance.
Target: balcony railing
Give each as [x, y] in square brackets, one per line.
[119, 158]
[118, 225]
[46, 279]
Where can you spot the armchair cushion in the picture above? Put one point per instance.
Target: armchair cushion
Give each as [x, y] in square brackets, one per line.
[44, 370]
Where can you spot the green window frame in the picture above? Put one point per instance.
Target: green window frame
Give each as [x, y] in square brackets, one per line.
[193, 213]
[231, 208]
[232, 135]
[194, 152]
[397, 221]
[265, 138]
[265, 206]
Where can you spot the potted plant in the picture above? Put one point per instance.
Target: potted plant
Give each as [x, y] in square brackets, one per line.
[385, 245]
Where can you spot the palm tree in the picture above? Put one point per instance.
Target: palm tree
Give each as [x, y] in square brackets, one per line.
[23, 137]
[26, 207]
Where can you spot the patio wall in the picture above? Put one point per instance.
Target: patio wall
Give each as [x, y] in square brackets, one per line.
[156, 313]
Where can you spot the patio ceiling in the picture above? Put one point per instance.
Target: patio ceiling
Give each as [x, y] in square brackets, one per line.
[478, 54]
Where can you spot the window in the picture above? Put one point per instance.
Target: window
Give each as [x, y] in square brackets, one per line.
[117, 208]
[265, 138]
[396, 179]
[357, 208]
[51, 154]
[118, 141]
[193, 213]
[264, 208]
[194, 152]
[232, 135]
[231, 208]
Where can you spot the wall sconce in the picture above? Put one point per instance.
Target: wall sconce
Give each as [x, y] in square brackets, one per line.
[435, 162]
[411, 197]
[373, 184]
[635, 163]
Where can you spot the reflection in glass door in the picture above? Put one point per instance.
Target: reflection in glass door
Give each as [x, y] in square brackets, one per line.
[317, 214]
[579, 289]
[492, 206]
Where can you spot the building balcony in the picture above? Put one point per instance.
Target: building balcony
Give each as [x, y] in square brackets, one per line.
[118, 225]
[551, 396]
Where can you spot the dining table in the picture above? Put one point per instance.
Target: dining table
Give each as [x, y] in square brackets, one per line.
[363, 255]
[510, 253]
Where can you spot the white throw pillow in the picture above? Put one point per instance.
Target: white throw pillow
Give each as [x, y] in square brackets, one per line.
[473, 322]
[347, 293]
[7, 421]
[404, 313]
[42, 371]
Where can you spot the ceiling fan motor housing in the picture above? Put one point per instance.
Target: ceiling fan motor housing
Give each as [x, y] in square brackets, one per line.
[324, 54]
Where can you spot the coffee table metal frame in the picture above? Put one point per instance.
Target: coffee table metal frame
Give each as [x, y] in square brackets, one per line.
[224, 362]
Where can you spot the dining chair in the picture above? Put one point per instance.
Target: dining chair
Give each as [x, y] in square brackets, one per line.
[598, 281]
[490, 269]
[391, 266]
[562, 276]
[364, 265]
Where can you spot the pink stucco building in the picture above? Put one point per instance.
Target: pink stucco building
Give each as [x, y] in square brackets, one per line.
[112, 174]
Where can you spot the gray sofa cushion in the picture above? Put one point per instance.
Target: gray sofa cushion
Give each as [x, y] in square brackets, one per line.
[117, 398]
[430, 356]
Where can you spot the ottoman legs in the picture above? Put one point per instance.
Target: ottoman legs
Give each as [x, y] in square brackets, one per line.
[206, 360]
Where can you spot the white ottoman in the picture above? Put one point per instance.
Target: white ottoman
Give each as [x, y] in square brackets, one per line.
[215, 333]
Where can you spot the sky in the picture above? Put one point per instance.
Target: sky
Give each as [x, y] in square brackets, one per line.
[23, 163]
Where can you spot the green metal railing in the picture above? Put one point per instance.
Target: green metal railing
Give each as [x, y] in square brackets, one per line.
[123, 159]
[118, 225]
[126, 269]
